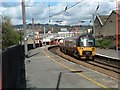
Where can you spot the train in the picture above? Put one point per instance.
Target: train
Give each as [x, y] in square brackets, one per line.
[82, 46]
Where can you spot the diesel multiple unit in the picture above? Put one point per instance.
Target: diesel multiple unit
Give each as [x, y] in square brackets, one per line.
[82, 47]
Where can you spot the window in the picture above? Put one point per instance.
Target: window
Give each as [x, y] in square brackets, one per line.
[87, 42]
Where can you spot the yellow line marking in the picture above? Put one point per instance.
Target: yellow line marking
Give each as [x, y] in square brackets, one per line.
[77, 73]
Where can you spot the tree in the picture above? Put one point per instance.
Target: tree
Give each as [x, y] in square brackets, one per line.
[9, 36]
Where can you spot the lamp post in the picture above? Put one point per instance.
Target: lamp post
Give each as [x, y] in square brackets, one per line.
[20, 36]
[33, 28]
[45, 36]
[117, 25]
[76, 28]
[49, 13]
[24, 27]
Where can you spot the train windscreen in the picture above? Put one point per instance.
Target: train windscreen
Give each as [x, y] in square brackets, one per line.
[87, 42]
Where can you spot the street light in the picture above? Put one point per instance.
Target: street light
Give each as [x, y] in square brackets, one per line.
[20, 35]
[45, 35]
[33, 29]
[116, 20]
[24, 27]
[117, 25]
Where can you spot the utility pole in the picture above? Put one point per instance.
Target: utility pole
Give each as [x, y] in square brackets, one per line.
[33, 32]
[93, 26]
[49, 13]
[45, 35]
[117, 26]
[20, 36]
[73, 31]
[76, 28]
[39, 35]
[24, 28]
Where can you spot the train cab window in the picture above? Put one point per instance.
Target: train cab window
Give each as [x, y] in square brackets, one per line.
[83, 42]
[87, 42]
[90, 42]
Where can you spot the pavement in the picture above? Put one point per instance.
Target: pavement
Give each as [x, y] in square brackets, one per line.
[108, 53]
[46, 70]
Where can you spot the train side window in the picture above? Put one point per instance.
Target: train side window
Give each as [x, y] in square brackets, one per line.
[70, 43]
[77, 43]
[74, 43]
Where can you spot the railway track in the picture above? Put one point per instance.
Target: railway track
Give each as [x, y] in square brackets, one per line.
[98, 65]
[105, 66]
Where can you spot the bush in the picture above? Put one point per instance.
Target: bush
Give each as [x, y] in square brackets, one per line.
[105, 43]
[9, 36]
[97, 43]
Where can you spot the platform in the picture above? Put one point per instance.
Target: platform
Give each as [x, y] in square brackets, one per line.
[108, 53]
[46, 70]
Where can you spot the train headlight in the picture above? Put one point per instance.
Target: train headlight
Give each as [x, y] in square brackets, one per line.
[81, 48]
[93, 49]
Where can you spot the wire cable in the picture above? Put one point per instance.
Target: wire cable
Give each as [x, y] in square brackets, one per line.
[66, 8]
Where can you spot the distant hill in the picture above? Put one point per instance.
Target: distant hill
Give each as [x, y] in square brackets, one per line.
[54, 28]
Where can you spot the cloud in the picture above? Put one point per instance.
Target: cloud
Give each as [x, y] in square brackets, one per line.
[13, 12]
[40, 11]
[85, 10]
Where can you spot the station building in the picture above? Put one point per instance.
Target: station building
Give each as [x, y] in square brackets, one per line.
[105, 25]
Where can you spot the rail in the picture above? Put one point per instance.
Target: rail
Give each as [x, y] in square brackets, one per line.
[110, 67]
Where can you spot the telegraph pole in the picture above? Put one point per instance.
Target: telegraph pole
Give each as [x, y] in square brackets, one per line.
[20, 36]
[24, 28]
[45, 35]
[117, 26]
[33, 32]
[76, 28]
[49, 13]
[93, 26]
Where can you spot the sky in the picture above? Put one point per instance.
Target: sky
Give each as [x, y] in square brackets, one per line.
[44, 11]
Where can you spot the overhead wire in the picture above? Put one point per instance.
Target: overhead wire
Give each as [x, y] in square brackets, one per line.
[66, 8]
[98, 13]
[107, 10]
[63, 16]
[74, 4]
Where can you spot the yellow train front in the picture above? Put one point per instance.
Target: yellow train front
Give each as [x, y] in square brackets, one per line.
[82, 47]
[86, 46]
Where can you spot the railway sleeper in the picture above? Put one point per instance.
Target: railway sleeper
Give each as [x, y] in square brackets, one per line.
[76, 55]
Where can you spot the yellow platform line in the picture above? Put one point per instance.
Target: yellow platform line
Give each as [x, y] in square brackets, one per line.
[77, 73]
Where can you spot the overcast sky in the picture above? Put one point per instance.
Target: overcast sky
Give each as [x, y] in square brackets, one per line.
[81, 13]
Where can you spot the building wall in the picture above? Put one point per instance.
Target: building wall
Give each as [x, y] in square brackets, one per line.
[110, 26]
[97, 27]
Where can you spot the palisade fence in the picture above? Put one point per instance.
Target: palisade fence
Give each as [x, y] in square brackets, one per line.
[13, 66]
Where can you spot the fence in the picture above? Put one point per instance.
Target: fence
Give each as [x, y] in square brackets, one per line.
[13, 68]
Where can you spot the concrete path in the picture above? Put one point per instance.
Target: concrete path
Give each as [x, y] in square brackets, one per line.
[108, 53]
[42, 72]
